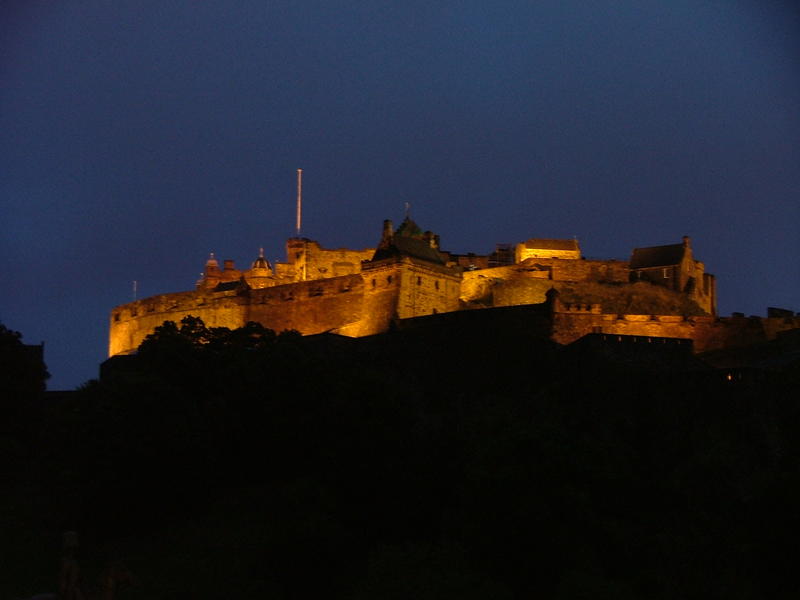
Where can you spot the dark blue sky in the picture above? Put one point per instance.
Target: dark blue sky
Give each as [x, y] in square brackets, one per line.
[136, 137]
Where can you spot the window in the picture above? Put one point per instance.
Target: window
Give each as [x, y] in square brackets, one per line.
[373, 284]
[436, 284]
[116, 316]
[419, 280]
[389, 279]
[666, 273]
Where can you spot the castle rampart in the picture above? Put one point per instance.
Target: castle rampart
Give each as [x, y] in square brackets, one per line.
[363, 292]
[571, 322]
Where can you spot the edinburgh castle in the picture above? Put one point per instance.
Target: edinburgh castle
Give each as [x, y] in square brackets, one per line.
[408, 280]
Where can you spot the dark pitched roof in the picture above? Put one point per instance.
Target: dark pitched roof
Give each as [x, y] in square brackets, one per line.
[657, 256]
[545, 244]
[406, 246]
[409, 229]
[409, 240]
[227, 286]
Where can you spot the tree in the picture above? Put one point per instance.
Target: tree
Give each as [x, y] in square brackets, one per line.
[22, 382]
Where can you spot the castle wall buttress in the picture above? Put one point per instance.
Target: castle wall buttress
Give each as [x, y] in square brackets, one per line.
[379, 308]
[132, 322]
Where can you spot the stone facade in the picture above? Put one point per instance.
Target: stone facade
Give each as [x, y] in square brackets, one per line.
[542, 248]
[572, 322]
[674, 267]
[307, 260]
[407, 277]
[351, 292]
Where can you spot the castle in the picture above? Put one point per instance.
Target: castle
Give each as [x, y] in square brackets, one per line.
[662, 291]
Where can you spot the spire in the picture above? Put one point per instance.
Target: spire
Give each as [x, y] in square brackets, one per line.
[211, 273]
[260, 262]
[299, 200]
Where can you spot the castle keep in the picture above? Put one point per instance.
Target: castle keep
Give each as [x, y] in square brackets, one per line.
[661, 291]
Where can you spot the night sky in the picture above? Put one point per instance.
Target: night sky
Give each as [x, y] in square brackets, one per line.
[137, 137]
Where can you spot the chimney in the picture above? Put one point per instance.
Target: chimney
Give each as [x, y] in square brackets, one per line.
[686, 242]
[388, 233]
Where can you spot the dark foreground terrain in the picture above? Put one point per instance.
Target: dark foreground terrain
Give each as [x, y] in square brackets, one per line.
[478, 463]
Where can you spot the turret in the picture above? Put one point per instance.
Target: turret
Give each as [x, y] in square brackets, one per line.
[212, 274]
[261, 263]
[260, 275]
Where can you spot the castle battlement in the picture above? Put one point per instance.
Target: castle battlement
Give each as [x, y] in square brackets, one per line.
[662, 291]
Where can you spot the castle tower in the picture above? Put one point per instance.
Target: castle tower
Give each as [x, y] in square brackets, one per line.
[674, 267]
[260, 274]
[212, 274]
[408, 277]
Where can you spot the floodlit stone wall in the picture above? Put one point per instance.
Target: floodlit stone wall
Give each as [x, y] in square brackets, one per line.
[306, 259]
[527, 282]
[343, 291]
[426, 291]
[570, 323]
[352, 305]
[132, 322]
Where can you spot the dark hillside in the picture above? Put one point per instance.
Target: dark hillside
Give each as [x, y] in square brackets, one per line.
[445, 462]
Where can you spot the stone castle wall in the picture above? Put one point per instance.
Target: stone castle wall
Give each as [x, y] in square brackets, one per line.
[708, 333]
[306, 260]
[347, 292]
[308, 307]
[379, 307]
[353, 305]
[366, 304]
[425, 291]
[132, 322]
[527, 282]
